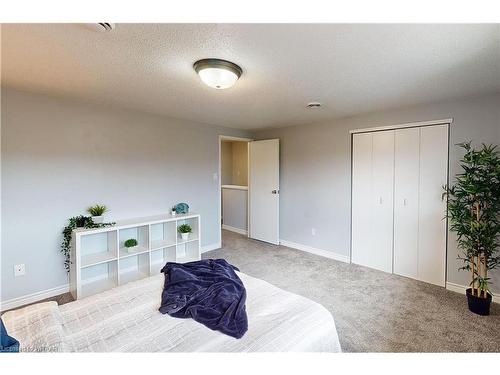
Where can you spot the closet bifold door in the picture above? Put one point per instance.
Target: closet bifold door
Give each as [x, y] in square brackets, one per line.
[382, 201]
[372, 199]
[361, 198]
[406, 192]
[432, 209]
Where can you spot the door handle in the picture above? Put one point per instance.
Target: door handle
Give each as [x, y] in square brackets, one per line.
[275, 192]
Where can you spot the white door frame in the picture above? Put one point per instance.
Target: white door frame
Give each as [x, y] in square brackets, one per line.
[231, 138]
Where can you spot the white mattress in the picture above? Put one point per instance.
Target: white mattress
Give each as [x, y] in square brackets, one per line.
[126, 319]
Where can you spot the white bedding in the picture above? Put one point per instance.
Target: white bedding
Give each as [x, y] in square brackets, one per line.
[126, 319]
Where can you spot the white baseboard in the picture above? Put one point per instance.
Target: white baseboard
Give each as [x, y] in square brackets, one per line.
[33, 297]
[316, 251]
[233, 229]
[211, 247]
[461, 289]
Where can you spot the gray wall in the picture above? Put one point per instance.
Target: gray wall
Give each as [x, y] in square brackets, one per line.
[59, 156]
[315, 169]
[234, 208]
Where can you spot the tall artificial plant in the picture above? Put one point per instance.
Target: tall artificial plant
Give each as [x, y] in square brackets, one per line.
[474, 213]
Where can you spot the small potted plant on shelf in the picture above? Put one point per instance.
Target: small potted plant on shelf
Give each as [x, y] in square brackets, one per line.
[173, 212]
[97, 213]
[184, 230]
[130, 245]
[474, 213]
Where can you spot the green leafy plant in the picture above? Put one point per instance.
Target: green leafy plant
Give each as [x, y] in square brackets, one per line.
[130, 242]
[184, 228]
[73, 223]
[97, 210]
[474, 213]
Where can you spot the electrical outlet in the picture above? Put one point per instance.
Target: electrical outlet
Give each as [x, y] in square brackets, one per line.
[19, 270]
[215, 176]
[313, 231]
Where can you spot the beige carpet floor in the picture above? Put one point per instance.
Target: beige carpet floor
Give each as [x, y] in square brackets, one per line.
[374, 311]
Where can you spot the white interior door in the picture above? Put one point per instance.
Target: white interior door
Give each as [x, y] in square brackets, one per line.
[406, 182]
[263, 190]
[432, 209]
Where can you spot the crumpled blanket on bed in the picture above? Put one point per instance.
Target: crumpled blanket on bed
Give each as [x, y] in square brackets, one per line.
[208, 291]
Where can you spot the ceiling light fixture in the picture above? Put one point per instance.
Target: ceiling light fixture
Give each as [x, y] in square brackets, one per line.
[217, 73]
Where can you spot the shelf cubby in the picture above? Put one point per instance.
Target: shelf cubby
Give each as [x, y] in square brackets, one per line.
[133, 268]
[139, 233]
[194, 235]
[188, 251]
[160, 257]
[98, 248]
[99, 277]
[163, 235]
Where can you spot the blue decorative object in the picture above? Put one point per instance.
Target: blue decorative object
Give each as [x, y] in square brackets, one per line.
[8, 344]
[181, 208]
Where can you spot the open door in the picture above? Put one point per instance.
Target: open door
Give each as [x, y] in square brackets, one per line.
[263, 186]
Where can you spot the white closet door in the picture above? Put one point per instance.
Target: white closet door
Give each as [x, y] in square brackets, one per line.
[432, 226]
[361, 198]
[406, 182]
[382, 201]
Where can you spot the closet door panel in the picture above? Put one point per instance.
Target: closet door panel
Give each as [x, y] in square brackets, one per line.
[361, 198]
[406, 182]
[382, 201]
[432, 226]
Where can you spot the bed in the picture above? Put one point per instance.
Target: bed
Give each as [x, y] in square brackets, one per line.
[126, 319]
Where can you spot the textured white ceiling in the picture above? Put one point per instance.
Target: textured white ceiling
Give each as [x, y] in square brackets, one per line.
[349, 68]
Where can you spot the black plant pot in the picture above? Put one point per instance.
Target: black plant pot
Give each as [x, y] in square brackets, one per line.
[478, 305]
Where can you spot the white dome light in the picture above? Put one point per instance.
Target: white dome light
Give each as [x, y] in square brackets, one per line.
[216, 73]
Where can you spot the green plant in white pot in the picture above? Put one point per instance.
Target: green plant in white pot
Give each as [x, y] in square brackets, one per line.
[474, 214]
[97, 212]
[185, 230]
[130, 245]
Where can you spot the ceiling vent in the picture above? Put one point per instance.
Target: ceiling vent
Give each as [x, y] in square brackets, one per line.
[101, 27]
[314, 105]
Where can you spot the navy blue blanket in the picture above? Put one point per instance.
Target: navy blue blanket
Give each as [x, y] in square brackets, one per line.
[8, 344]
[209, 291]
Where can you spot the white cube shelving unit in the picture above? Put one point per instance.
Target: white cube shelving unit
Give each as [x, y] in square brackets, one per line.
[100, 261]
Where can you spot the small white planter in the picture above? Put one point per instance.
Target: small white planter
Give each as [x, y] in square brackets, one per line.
[132, 249]
[173, 213]
[185, 236]
[98, 219]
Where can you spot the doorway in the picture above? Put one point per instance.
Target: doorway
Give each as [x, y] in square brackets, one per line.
[233, 192]
[249, 187]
